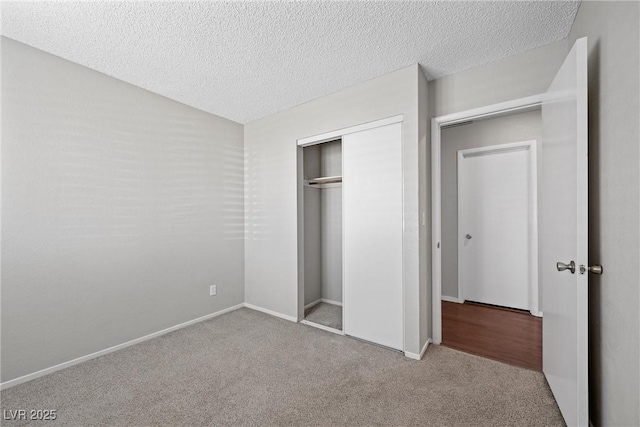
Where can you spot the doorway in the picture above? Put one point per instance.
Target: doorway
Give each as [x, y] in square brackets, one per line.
[563, 227]
[489, 247]
[437, 126]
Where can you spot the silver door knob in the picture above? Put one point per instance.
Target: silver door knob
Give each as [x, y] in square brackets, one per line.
[593, 269]
[561, 266]
[468, 236]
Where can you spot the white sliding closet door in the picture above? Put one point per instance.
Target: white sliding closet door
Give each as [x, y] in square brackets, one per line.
[372, 206]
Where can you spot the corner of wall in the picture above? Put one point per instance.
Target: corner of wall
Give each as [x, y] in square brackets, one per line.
[425, 207]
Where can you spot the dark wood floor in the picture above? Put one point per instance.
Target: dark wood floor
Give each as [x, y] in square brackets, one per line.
[505, 335]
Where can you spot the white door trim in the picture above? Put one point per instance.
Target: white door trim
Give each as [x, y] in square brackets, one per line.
[531, 146]
[437, 123]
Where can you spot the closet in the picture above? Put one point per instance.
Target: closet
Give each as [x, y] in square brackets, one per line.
[323, 234]
[352, 254]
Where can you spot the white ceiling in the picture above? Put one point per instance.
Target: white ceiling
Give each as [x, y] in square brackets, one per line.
[244, 60]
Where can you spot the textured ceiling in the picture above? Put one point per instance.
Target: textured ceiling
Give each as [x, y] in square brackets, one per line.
[244, 60]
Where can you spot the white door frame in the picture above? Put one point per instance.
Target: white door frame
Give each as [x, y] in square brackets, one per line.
[531, 146]
[437, 123]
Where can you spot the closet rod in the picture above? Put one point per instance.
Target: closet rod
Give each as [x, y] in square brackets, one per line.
[325, 180]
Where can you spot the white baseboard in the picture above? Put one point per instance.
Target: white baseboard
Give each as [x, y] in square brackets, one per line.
[316, 302]
[46, 371]
[536, 314]
[326, 301]
[418, 356]
[271, 312]
[451, 299]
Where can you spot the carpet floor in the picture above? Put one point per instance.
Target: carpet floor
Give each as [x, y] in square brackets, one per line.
[249, 368]
[325, 314]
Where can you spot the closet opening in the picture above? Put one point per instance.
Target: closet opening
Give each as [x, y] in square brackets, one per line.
[322, 194]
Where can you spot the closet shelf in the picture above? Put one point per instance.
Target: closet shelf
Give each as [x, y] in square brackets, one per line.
[325, 180]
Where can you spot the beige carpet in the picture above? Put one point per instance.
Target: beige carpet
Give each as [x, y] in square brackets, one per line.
[325, 314]
[249, 368]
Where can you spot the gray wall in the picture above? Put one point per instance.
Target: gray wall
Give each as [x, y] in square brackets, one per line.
[272, 266]
[331, 205]
[424, 158]
[502, 130]
[331, 217]
[119, 209]
[518, 76]
[614, 208]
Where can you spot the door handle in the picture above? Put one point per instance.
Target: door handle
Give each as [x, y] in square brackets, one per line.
[594, 269]
[561, 266]
[468, 237]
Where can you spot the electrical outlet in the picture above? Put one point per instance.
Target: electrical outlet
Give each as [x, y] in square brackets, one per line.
[212, 290]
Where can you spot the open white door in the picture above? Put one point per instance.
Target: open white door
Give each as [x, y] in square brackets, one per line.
[563, 227]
